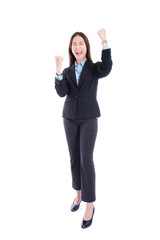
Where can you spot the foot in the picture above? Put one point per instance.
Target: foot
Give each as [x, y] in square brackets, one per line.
[88, 223]
[77, 201]
[89, 212]
[78, 198]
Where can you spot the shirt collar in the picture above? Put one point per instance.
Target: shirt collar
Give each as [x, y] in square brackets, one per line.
[82, 63]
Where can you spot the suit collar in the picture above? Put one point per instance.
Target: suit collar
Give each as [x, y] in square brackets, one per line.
[87, 63]
[82, 63]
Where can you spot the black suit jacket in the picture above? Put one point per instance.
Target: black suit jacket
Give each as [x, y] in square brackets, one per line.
[81, 100]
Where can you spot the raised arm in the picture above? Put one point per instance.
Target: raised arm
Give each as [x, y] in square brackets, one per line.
[103, 68]
[102, 35]
[60, 79]
[59, 60]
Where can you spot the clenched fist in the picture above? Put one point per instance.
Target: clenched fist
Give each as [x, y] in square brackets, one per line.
[102, 34]
[59, 60]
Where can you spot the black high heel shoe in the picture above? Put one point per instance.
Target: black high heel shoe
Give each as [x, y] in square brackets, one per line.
[88, 223]
[74, 207]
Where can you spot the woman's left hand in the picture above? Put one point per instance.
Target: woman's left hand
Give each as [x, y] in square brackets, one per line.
[102, 34]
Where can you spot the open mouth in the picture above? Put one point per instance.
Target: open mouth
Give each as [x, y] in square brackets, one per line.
[78, 53]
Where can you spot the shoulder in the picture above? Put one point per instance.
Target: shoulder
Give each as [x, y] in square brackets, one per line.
[66, 69]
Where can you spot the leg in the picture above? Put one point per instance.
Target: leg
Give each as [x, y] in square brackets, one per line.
[78, 197]
[72, 135]
[88, 133]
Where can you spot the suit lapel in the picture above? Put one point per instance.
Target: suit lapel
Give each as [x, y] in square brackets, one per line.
[85, 69]
[83, 75]
[72, 74]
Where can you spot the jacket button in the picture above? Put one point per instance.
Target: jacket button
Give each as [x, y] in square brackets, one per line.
[76, 96]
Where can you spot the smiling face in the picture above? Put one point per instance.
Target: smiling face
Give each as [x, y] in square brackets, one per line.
[79, 48]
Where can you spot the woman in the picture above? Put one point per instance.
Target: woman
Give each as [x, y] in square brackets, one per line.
[79, 84]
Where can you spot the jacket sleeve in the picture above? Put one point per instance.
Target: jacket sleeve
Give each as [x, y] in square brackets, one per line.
[61, 86]
[102, 69]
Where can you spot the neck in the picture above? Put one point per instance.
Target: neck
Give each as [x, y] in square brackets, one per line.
[81, 60]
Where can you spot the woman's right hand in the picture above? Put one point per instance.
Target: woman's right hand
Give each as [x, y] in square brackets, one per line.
[59, 60]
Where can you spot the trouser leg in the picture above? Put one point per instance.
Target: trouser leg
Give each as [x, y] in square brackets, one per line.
[88, 133]
[73, 140]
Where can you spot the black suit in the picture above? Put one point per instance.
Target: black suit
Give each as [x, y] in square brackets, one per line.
[81, 102]
[80, 114]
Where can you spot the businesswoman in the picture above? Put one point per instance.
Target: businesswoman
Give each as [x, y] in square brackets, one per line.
[79, 84]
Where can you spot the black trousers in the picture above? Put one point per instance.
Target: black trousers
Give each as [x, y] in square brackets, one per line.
[81, 136]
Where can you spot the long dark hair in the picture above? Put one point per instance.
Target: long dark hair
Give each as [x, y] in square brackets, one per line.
[72, 58]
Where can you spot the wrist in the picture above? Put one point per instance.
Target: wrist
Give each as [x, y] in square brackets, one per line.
[104, 42]
[104, 45]
[58, 71]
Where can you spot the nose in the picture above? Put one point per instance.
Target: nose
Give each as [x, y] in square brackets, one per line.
[78, 47]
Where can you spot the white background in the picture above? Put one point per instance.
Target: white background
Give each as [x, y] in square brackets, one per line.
[35, 179]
